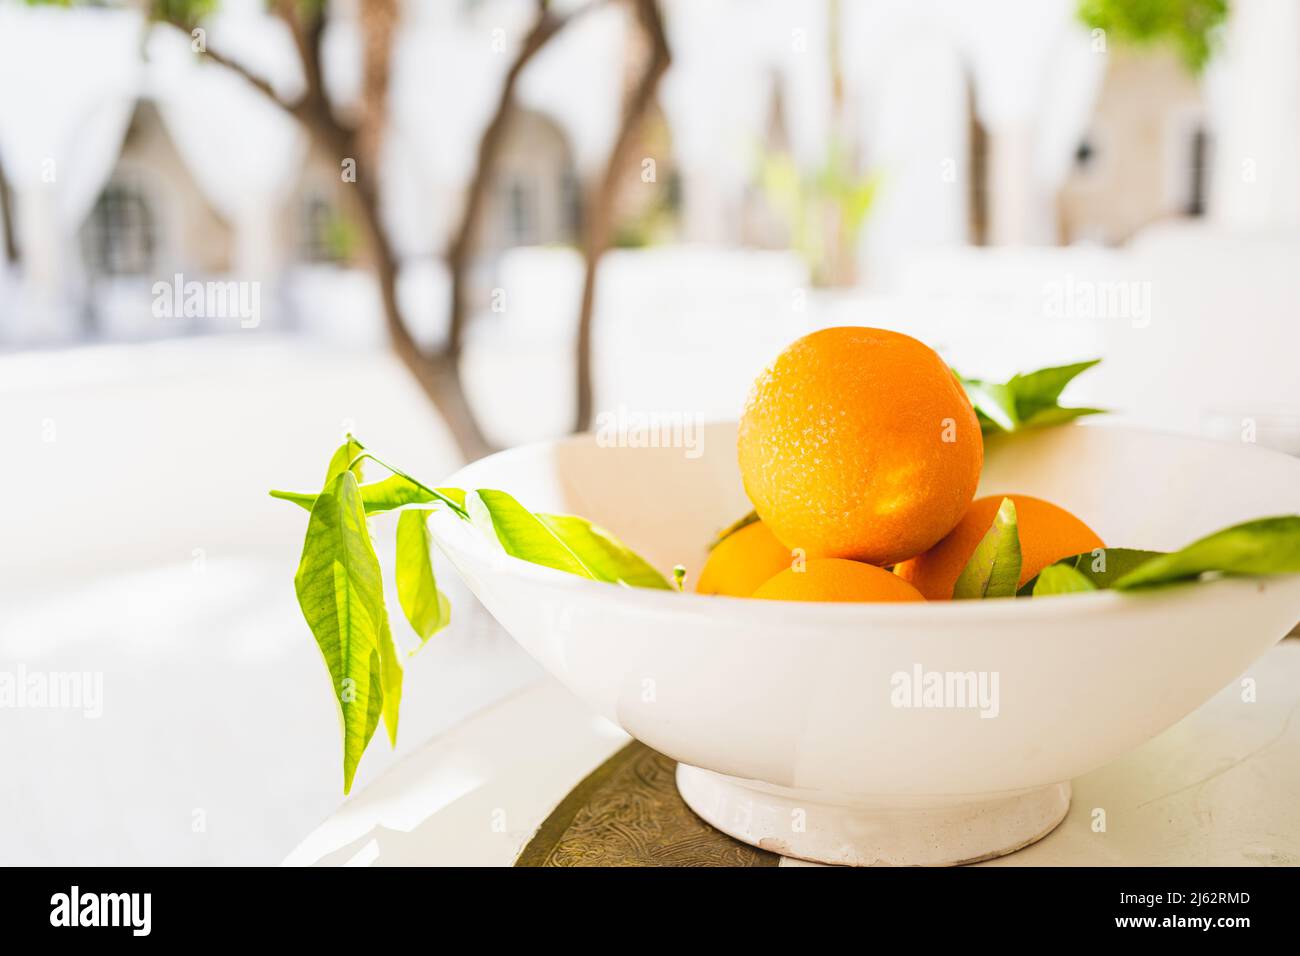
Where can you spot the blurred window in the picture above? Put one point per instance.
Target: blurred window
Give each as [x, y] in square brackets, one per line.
[1084, 155]
[571, 197]
[1200, 161]
[522, 225]
[1095, 158]
[673, 195]
[120, 236]
[323, 236]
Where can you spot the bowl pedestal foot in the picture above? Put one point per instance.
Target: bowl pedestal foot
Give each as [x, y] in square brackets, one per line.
[867, 831]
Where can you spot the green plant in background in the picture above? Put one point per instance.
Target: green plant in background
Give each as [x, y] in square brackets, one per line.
[824, 209]
[341, 237]
[1190, 26]
[182, 11]
[649, 217]
[174, 11]
[653, 222]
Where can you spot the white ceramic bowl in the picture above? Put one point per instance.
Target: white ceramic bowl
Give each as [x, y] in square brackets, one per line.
[785, 716]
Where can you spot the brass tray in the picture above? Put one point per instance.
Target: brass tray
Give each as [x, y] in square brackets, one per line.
[627, 812]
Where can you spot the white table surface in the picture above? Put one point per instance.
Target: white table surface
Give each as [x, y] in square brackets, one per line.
[1222, 787]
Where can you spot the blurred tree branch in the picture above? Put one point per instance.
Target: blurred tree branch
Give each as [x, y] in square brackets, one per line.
[600, 219]
[438, 374]
[545, 27]
[256, 82]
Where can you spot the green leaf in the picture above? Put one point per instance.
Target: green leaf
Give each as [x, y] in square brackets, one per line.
[425, 607]
[607, 558]
[1058, 416]
[1061, 579]
[303, 499]
[390, 676]
[1102, 567]
[341, 595]
[521, 533]
[1262, 546]
[1026, 401]
[454, 494]
[390, 494]
[995, 403]
[732, 528]
[1036, 391]
[342, 458]
[994, 568]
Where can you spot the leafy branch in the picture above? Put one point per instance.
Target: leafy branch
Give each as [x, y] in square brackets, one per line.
[340, 588]
[1263, 546]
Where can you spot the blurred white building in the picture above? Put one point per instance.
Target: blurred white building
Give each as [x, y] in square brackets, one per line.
[1007, 123]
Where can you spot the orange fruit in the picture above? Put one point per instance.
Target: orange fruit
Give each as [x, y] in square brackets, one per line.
[742, 561]
[1048, 533]
[837, 579]
[860, 443]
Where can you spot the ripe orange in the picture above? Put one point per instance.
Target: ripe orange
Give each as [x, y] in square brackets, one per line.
[860, 443]
[837, 579]
[742, 561]
[1047, 533]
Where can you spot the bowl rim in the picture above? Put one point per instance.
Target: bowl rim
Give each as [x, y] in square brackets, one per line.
[996, 609]
[736, 609]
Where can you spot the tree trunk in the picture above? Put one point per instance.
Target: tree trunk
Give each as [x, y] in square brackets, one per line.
[439, 374]
[600, 219]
